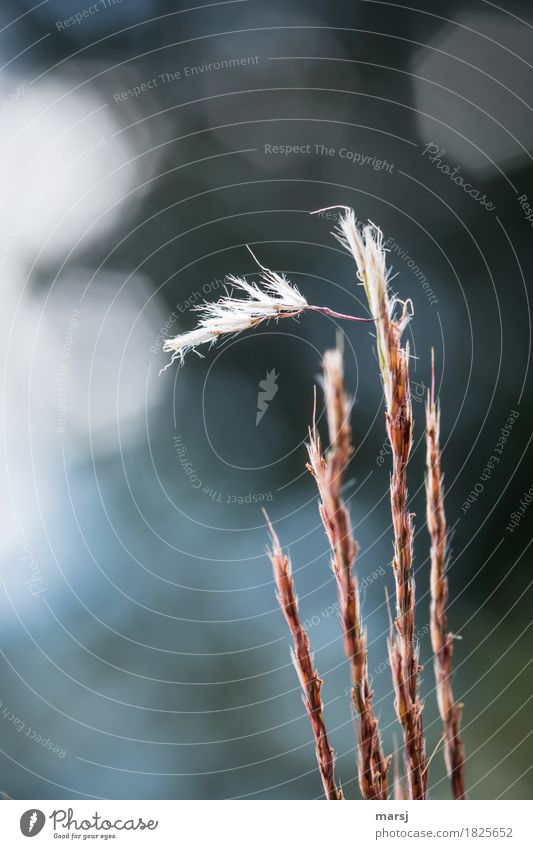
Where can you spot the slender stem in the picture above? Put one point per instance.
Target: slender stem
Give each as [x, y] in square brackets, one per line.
[328, 472]
[441, 641]
[309, 679]
[340, 315]
[366, 247]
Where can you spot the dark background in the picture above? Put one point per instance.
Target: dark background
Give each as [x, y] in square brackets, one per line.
[139, 632]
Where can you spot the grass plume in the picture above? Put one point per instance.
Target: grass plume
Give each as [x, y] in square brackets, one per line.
[274, 297]
[328, 471]
[301, 656]
[391, 317]
[441, 640]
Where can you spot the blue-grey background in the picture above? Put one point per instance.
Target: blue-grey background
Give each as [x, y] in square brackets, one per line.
[142, 654]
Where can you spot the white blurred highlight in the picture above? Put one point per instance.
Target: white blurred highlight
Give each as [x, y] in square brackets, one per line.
[513, 118]
[60, 169]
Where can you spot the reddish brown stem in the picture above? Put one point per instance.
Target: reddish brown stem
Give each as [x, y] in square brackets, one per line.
[441, 640]
[301, 655]
[366, 246]
[340, 315]
[329, 473]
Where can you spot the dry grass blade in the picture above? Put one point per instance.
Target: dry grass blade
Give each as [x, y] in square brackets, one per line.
[441, 640]
[301, 655]
[366, 246]
[328, 472]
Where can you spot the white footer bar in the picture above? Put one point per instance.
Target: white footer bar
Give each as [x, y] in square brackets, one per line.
[267, 824]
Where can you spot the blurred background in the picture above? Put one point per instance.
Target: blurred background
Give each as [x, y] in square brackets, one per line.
[144, 145]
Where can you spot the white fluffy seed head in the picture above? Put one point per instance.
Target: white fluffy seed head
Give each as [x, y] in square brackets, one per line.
[273, 297]
[366, 246]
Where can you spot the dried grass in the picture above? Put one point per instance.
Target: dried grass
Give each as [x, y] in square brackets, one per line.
[366, 246]
[441, 640]
[328, 471]
[277, 298]
[301, 657]
[274, 297]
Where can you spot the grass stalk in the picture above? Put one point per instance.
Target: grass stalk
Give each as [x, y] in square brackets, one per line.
[301, 656]
[441, 639]
[328, 471]
[366, 246]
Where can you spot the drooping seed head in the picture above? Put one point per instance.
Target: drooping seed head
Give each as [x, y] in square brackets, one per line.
[273, 297]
